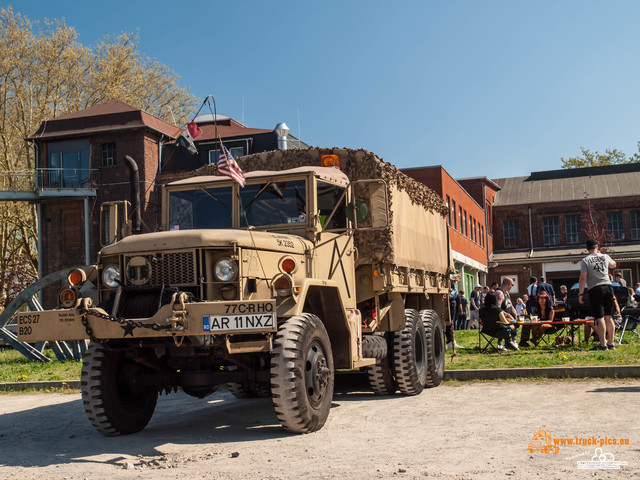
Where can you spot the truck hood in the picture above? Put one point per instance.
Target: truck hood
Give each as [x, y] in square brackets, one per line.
[185, 239]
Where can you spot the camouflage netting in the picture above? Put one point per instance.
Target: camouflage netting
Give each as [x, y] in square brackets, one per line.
[357, 165]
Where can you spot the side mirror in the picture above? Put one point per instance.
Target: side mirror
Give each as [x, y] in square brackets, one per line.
[368, 209]
[114, 222]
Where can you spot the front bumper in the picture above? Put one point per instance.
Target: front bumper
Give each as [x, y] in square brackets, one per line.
[177, 320]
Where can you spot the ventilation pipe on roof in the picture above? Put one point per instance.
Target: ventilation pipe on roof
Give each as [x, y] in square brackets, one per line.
[282, 131]
[530, 234]
[134, 182]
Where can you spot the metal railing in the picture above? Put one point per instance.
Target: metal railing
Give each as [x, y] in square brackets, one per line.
[48, 178]
[21, 181]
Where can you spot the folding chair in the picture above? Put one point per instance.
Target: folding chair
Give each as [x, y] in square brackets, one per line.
[630, 322]
[487, 338]
[546, 337]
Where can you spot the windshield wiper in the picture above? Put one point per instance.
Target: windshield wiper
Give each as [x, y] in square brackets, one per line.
[273, 188]
[213, 196]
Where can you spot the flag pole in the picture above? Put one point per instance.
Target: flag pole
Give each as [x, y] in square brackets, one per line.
[214, 113]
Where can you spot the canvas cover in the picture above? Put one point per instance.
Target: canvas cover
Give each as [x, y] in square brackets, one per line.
[417, 234]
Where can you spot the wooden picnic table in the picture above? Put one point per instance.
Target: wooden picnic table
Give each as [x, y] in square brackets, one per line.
[574, 325]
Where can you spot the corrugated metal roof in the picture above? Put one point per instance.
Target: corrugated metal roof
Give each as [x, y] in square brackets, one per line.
[528, 190]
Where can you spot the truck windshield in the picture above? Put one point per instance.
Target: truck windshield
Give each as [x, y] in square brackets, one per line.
[202, 208]
[273, 203]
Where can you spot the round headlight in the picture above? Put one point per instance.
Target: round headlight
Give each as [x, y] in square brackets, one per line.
[111, 276]
[225, 269]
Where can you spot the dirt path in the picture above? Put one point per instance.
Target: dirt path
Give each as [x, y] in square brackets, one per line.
[456, 431]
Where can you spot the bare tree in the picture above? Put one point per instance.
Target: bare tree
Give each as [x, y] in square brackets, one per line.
[595, 226]
[45, 72]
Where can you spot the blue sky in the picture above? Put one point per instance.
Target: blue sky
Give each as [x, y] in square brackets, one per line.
[484, 88]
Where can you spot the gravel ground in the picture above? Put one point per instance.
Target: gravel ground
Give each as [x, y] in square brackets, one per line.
[456, 431]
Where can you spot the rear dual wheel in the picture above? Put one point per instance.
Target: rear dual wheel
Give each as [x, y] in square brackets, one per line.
[415, 359]
[380, 375]
[434, 336]
[410, 355]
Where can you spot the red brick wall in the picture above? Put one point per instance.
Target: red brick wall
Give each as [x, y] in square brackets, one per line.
[559, 209]
[63, 221]
[62, 234]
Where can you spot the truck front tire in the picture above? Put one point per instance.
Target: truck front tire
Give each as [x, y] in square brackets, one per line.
[114, 402]
[435, 347]
[410, 355]
[302, 374]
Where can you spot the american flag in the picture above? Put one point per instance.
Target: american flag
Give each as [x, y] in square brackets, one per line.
[228, 166]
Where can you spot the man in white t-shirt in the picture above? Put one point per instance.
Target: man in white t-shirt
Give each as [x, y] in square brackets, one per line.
[594, 272]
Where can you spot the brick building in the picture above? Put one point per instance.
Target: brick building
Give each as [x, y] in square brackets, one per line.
[538, 226]
[83, 184]
[470, 227]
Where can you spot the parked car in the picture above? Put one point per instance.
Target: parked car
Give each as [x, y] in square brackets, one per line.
[576, 310]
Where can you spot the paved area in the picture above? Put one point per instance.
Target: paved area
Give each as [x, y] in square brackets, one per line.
[460, 430]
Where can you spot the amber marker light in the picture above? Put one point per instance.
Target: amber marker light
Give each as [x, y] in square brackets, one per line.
[76, 277]
[376, 273]
[282, 286]
[67, 297]
[330, 161]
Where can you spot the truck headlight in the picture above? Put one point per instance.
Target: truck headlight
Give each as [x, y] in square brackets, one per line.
[225, 269]
[111, 276]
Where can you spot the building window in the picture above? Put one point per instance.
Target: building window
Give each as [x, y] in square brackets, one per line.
[572, 228]
[461, 220]
[214, 155]
[448, 211]
[550, 231]
[482, 236]
[474, 231]
[626, 275]
[68, 165]
[615, 225]
[510, 233]
[635, 225]
[108, 154]
[466, 224]
[453, 214]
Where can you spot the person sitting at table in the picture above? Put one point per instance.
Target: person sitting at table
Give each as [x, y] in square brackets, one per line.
[497, 323]
[545, 314]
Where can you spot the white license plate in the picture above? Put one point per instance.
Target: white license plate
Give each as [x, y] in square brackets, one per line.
[253, 321]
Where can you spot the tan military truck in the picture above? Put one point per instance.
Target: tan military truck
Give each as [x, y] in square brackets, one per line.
[326, 259]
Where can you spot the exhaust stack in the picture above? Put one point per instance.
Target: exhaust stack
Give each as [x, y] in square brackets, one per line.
[134, 181]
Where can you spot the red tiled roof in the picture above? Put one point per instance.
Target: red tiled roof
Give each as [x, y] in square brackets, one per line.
[228, 129]
[109, 116]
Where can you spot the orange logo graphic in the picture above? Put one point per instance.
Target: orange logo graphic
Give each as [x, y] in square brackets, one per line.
[542, 442]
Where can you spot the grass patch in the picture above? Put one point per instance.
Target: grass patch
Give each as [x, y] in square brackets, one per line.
[540, 356]
[14, 367]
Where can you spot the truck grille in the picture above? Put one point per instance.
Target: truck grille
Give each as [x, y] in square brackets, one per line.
[176, 269]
